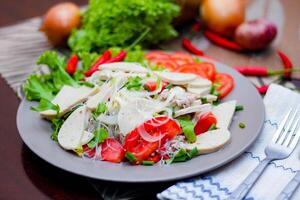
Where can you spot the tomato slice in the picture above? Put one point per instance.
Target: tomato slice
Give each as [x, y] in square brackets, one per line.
[226, 84]
[153, 55]
[151, 85]
[88, 151]
[192, 68]
[182, 58]
[157, 126]
[167, 63]
[205, 122]
[112, 150]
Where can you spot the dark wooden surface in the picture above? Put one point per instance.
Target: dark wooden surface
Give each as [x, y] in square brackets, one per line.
[25, 176]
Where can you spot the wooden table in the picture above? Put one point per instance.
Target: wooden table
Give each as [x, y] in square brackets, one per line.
[25, 176]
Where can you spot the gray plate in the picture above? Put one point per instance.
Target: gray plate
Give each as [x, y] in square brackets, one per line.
[35, 133]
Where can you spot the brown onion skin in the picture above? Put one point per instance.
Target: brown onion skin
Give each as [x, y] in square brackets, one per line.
[59, 22]
[223, 16]
[256, 34]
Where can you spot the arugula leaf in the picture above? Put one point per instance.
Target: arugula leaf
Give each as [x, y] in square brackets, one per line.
[35, 89]
[100, 135]
[45, 105]
[188, 129]
[101, 108]
[134, 83]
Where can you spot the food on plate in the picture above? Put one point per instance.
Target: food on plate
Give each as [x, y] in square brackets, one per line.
[119, 22]
[59, 21]
[256, 34]
[223, 16]
[135, 111]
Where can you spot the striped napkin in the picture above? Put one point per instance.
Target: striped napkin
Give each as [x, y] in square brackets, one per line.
[220, 183]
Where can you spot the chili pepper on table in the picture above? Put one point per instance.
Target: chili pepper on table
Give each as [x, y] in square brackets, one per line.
[187, 44]
[286, 62]
[262, 89]
[222, 41]
[121, 56]
[196, 27]
[102, 59]
[259, 71]
[72, 64]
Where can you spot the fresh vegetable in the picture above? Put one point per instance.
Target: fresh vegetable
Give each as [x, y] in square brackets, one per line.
[287, 63]
[187, 44]
[224, 16]
[256, 34]
[242, 125]
[45, 105]
[146, 138]
[262, 89]
[102, 59]
[148, 162]
[134, 83]
[121, 56]
[101, 108]
[100, 135]
[187, 127]
[72, 64]
[203, 69]
[103, 24]
[112, 150]
[205, 121]
[222, 41]
[260, 71]
[130, 156]
[239, 108]
[226, 84]
[151, 86]
[59, 21]
[183, 155]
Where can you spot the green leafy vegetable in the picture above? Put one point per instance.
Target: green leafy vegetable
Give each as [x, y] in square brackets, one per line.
[183, 155]
[188, 129]
[101, 108]
[134, 83]
[130, 156]
[56, 124]
[87, 59]
[121, 22]
[35, 89]
[46, 105]
[100, 135]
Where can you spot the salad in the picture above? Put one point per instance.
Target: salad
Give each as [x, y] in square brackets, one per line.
[164, 108]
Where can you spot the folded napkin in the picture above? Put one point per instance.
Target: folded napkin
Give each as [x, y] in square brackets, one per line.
[221, 182]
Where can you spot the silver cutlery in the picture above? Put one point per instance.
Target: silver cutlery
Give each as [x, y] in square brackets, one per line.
[283, 143]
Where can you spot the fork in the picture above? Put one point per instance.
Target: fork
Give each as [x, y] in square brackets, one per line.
[283, 143]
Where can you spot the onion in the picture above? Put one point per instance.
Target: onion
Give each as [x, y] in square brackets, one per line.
[223, 16]
[147, 137]
[256, 34]
[59, 22]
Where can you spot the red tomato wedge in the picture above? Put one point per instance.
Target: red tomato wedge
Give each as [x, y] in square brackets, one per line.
[226, 84]
[192, 68]
[204, 123]
[151, 85]
[112, 150]
[153, 55]
[166, 63]
[182, 58]
[88, 152]
[138, 141]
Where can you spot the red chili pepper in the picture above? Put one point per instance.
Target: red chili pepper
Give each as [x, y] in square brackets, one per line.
[72, 64]
[259, 71]
[262, 89]
[102, 59]
[223, 42]
[286, 62]
[196, 27]
[187, 44]
[118, 57]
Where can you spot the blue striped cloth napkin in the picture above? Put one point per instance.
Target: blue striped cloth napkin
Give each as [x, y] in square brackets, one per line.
[221, 182]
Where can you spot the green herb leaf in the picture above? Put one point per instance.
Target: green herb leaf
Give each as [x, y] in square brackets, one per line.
[56, 125]
[87, 59]
[130, 156]
[182, 155]
[134, 83]
[188, 129]
[100, 135]
[45, 105]
[101, 108]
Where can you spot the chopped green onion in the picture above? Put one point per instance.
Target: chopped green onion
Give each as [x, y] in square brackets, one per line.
[188, 129]
[148, 162]
[239, 107]
[169, 86]
[242, 125]
[204, 100]
[130, 156]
